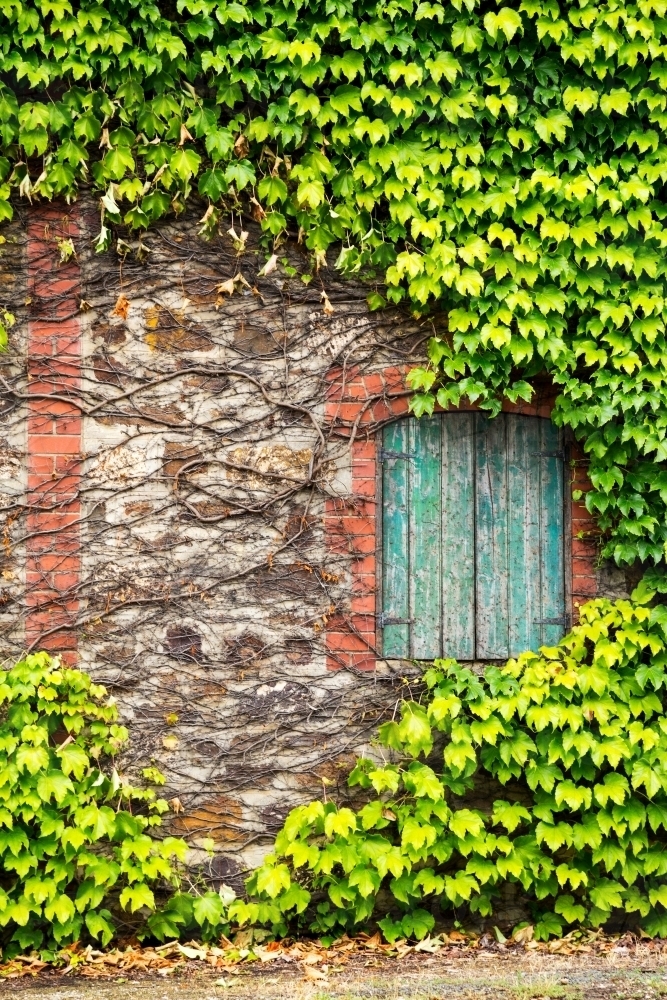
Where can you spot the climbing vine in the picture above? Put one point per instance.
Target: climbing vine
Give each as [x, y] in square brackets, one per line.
[574, 737]
[504, 164]
[80, 847]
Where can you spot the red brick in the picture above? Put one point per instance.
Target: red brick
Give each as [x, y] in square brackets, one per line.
[364, 543]
[356, 390]
[41, 423]
[582, 567]
[70, 464]
[65, 644]
[41, 464]
[363, 604]
[363, 469]
[54, 435]
[375, 384]
[346, 642]
[55, 444]
[363, 450]
[584, 585]
[583, 547]
[55, 407]
[347, 412]
[351, 661]
[364, 487]
[70, 424]
[51, 560]
[363, 583]
[358, 524]
[364, 624]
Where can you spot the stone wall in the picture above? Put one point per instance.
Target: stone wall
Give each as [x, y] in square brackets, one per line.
[188, 500]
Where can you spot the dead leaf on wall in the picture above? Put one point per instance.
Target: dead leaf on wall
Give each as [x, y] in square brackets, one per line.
[121, 308]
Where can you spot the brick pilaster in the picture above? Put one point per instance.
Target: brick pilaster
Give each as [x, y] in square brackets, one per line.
[53, 559]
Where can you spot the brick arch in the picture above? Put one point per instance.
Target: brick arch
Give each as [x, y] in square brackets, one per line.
[358, 406]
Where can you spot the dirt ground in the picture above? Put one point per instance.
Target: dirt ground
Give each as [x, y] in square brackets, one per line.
[626, 974]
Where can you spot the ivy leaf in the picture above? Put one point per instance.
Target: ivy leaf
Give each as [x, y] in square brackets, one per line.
[509, 815]
[572, 911]
[100, 926]
[506, 20]
[209, 909]
[241, 174]
[212, 184]
[417, 924]
[184, 163]
[61, 909]
[606, 895]
[55, 784]
[644, 775]
[116, 162]
[32, 758]
[137, 895]
[73, 760]
[552, 126]
[365, 880]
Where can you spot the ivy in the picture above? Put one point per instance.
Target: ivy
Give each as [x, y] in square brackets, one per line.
[575, 738]
[503, 163]
[79, 850]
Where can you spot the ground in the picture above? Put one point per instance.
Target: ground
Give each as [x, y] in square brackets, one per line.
[636, 971]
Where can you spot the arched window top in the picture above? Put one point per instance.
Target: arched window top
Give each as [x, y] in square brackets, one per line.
[472, 536]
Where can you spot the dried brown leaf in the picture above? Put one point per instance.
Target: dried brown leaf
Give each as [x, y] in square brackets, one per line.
[121, 308]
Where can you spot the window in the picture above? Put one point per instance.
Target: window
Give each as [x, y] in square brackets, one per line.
[472, 536]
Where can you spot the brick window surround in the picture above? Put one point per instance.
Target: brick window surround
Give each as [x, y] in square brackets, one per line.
[357, 406]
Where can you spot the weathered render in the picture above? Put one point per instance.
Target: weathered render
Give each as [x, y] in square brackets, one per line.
[203, 582]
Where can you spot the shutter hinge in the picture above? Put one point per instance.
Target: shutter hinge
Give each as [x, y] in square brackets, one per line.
[549, 454]
[384, 619]
[385, 455]
[563, 620]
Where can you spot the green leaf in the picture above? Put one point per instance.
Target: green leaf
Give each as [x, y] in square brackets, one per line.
[606, 895]
[212, 184]
[61, 908]
[549, 925]
[272, 190]
[54, 784]
[100, 926]
[137, 895]
[417, 924]
[241, 174]
[32, 759]
[272, 879]
[184, 163]
[209, 909]
[73, 760]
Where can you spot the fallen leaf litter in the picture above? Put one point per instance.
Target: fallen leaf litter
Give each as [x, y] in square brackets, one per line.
[316, 961]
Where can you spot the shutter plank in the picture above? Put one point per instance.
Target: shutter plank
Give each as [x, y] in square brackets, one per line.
[458, 536]
[491, 561]
[552, 574]
[525, 583]
[425, 534]
[395, 541]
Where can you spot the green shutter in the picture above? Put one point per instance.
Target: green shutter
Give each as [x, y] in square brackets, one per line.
[491, 548]
[395, 546]
[458, 535]
[425, 539]
[472, 536]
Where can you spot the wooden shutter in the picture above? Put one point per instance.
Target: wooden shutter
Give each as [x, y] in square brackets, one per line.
[472, 536]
